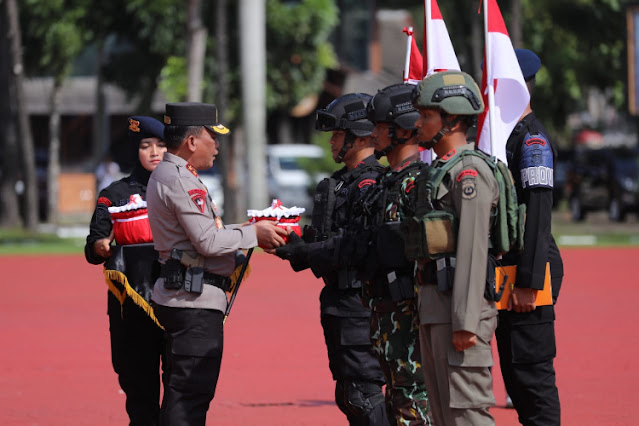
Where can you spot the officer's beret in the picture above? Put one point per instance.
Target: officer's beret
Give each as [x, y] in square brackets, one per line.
[529, 62]
[194, 114]
[141, 127]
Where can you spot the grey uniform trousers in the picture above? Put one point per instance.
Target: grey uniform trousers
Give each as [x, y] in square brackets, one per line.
[459, 384]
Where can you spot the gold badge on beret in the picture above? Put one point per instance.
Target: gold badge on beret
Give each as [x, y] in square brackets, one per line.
[134, 125]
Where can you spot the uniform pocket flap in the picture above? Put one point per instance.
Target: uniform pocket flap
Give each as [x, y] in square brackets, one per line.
[471, 357]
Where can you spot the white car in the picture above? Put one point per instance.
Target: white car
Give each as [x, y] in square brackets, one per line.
[287, 180]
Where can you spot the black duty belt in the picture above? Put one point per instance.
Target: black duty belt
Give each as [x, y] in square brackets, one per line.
[209, 278]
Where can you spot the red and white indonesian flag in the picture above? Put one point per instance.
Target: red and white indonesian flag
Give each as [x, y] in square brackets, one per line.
[440, 55]
[502, 76]
[413, 72]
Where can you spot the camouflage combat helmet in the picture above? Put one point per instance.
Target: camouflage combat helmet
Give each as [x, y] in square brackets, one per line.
[347, 113]
[453, 92]
[393, 104]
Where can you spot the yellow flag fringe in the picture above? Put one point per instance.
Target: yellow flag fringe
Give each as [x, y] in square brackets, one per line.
[111, 275]
[236, 274]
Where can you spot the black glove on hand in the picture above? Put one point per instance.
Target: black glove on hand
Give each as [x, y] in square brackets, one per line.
[295, 251]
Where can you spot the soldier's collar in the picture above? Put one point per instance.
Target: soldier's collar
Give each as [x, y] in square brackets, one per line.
[407, 162]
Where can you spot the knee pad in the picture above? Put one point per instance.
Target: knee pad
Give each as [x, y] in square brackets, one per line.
[359, 399]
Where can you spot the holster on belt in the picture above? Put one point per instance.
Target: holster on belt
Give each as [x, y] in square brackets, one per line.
[182, 270]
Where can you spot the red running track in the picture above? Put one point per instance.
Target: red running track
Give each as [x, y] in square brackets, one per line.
[55, 359]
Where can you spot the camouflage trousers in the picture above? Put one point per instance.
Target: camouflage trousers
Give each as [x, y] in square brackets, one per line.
[395, 337]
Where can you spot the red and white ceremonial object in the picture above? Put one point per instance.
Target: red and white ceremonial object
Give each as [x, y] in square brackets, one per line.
[284, 216]
[131, 222]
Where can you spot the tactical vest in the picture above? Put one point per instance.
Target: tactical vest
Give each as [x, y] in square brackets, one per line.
[324, 200]
[432, 232]
[389, 272]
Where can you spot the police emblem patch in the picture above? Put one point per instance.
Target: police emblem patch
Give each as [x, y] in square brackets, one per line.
[468, 188]
[198, 196]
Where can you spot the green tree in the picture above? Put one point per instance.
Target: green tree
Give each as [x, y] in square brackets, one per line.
[54, 38]
[298, 49]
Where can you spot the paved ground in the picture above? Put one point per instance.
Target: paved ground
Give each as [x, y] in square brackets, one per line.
[55, 358]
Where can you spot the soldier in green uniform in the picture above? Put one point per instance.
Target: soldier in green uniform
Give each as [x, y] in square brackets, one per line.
[457, 322]
[389, 287]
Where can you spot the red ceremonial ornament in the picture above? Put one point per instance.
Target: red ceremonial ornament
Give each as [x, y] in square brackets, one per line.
[284, 217]
[131, 222]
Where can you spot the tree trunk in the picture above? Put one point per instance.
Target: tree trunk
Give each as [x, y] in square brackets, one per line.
[516, 24]
[24, 127]
[196, 49]
[53, 170]
[9, 212]
[100, 144]
[231, 210]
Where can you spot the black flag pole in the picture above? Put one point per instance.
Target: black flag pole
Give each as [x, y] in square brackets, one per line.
[237, 286]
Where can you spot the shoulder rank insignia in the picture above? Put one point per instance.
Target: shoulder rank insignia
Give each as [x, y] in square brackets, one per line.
[191, 169]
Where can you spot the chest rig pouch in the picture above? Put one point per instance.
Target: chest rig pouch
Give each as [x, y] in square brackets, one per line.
[431, 233]
[393, 277]
[323, 206]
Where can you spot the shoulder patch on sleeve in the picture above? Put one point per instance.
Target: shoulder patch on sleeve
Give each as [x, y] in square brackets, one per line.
[198, 196]
[536, 162]
[366, 182]
[466, 173]
[105, 201]
[469, 191]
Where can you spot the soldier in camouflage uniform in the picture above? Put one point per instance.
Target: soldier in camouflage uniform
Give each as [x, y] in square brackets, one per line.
[389, 279]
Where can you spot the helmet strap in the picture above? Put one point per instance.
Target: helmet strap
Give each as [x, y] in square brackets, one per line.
[447, 126]
[349, 138]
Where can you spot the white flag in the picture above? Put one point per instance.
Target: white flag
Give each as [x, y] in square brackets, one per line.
[439, 53]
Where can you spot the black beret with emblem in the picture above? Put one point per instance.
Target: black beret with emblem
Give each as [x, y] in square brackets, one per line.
[194, 114]
[141, 127]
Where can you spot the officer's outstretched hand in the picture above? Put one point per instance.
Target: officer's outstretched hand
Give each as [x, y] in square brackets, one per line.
[463, 340]
[522, 300]
[269, 235]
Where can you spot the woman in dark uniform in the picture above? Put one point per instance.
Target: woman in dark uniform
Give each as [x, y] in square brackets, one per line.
[130, 271]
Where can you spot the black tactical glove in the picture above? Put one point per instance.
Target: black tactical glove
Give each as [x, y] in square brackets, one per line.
[295, 251]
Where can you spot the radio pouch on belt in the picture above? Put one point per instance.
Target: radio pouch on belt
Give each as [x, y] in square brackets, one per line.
[445, 273]
[400, 286]
[193, 279]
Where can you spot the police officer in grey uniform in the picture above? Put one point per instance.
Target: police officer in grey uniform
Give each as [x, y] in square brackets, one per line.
[197, 252]
[457, 321]
[345, 320]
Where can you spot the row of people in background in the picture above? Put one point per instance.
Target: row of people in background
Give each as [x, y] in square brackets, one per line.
[419, 321]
